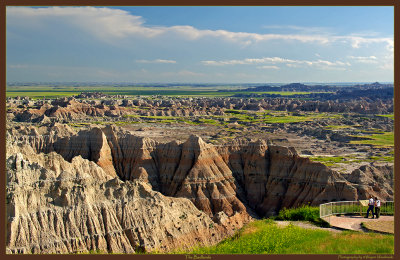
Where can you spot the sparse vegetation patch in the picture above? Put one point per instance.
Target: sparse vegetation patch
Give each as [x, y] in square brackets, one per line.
[385, 139]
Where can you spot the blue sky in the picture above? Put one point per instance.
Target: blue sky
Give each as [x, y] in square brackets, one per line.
[200, 44]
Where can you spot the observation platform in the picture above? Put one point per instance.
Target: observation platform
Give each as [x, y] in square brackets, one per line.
[353, 222]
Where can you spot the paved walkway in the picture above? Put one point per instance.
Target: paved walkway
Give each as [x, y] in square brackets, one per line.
[353, 222]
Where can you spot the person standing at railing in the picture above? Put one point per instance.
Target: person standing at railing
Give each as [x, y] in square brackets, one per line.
[377, 207]
[370, 206]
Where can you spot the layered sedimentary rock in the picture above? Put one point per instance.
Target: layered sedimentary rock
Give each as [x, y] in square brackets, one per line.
[204, 177]
[236, 177]
[91, 145]
[74, 109]
[55, 206]
[132, 192]
[27, 110]
[376, 180]
[192, 170]
[274, 177]
[68, 108]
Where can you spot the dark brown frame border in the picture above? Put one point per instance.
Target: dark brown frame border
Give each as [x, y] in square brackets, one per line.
[394, 3]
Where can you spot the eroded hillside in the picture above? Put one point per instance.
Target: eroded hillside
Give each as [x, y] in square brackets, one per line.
[104, 188]
[124, 174]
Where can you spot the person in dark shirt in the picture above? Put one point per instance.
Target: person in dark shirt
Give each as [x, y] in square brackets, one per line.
[370, 206]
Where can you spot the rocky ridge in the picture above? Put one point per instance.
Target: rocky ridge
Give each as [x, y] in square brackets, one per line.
[220, 186]
[56, 206]
[26, 110]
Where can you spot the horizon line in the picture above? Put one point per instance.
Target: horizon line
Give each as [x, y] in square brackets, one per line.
[193, 83]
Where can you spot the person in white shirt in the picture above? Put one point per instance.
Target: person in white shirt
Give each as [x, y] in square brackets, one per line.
[370, 206]
[377, 207]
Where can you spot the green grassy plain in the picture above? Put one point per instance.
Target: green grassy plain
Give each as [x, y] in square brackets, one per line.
[283, 93]
[40, 94]
[266, 237]
[49, 91]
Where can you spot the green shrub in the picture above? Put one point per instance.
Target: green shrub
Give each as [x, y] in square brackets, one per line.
[304, 213]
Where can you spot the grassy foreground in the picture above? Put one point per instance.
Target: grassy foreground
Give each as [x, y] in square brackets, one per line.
[266, 237]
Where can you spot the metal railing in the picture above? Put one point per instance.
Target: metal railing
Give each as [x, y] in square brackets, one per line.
[351, 207]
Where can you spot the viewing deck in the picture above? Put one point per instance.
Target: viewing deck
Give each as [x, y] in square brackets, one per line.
[353, 222]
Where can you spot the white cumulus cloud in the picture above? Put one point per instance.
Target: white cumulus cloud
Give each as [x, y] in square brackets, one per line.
[364, 59]
[278, 60]
[112, 24]
[268, 67]
[156, 61]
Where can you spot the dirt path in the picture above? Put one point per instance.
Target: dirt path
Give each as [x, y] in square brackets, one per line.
[305, 224]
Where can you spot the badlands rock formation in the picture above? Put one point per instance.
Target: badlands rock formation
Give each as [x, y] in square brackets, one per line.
[373, 179]
[26, 110]
[55, 206]
[106, 189]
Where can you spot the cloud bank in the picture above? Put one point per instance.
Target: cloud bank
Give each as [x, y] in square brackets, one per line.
[156, 61]
[277, 60]
[113, 24]
[78, 43]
